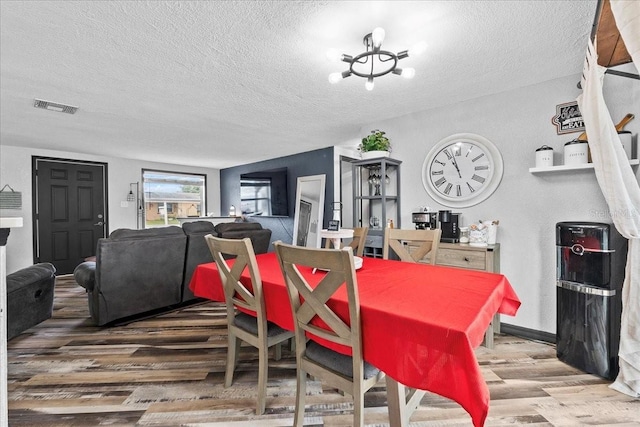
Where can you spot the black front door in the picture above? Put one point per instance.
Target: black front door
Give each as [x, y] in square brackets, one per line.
[69, 210]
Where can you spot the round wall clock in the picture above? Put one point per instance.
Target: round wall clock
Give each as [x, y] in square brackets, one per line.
[462, 170]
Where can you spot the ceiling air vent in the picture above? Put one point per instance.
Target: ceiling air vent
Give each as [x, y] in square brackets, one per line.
[55, 106]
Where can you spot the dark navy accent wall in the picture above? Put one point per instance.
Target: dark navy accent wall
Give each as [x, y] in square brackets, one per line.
[310, 163]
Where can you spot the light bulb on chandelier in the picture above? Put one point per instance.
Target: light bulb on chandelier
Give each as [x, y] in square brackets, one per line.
[369, 84]
[374, 62]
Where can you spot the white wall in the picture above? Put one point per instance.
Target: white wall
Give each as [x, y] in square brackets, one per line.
[342, 182]
[528, 206]
[15, 170]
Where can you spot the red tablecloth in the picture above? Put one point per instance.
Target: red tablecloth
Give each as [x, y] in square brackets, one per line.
[420, 323]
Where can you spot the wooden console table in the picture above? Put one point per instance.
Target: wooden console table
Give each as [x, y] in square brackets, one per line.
[485, 258]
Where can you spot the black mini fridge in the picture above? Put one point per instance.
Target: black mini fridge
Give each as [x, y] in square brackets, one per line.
[590, 264]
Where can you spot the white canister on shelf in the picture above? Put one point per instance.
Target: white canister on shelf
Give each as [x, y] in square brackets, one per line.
[544, 156]
[576, 152]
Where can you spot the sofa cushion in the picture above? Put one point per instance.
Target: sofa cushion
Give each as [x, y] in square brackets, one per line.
[259, 236]
[198, 227]
[225, 227]
[127, 234]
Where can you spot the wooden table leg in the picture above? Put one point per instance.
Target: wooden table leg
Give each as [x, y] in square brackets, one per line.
[402, 402]
[488, 336]
[494, 328]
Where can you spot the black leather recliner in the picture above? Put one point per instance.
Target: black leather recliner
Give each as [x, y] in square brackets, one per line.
[135, 271]
[29, 297]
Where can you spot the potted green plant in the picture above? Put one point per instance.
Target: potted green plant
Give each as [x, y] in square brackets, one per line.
[375, 145]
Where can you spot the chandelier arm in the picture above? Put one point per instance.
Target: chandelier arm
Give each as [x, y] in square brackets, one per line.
[389, 58]
[359, 60]
[403, 54]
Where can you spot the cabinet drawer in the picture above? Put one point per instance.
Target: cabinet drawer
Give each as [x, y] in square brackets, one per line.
[475, 260]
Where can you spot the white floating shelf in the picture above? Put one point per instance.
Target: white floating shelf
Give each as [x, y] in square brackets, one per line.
[561, 168]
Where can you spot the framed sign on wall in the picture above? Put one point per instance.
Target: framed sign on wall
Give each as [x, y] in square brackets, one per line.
[568, 118]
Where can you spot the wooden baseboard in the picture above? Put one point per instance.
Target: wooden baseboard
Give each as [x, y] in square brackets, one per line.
[530, 334]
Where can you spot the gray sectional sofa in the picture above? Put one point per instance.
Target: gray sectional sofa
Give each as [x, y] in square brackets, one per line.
[146, 271]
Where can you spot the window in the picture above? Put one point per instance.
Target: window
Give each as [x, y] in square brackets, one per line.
[168, 196]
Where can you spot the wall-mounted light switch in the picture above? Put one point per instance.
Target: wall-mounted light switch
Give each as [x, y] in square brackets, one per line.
[124, 204]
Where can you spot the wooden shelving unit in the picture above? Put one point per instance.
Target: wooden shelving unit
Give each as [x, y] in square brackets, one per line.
[376, 201]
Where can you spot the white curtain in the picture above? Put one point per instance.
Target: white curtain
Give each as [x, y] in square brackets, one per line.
[619, 187]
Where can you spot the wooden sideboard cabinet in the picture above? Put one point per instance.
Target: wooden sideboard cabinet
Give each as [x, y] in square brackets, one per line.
[473, 258]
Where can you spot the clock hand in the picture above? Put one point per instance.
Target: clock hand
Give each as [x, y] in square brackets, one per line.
[453, 159]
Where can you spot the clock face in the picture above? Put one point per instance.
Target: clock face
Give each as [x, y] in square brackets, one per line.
[462, 170]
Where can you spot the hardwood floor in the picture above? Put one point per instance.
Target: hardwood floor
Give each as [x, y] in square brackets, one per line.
[169, 370]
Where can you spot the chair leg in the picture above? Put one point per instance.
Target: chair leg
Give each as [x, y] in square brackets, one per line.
[263, 360]
[277, 351]
[358, 409]
[233, 348]
[301, 391]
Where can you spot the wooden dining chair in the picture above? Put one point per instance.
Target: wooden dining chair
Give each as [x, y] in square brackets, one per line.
[412, 245]
[357, 243]
[252, 329]
[351, 374]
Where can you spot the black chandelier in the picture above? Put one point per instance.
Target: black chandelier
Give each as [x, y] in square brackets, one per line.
[374, 62]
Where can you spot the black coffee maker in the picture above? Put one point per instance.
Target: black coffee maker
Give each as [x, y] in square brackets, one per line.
[449, 225]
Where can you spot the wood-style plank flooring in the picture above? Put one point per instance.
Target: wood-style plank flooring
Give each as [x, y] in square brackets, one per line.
[169, 370]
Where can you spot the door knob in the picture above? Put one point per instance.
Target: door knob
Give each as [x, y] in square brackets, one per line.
[99, 223]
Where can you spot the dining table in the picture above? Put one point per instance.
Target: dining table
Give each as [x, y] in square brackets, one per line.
[420, 324]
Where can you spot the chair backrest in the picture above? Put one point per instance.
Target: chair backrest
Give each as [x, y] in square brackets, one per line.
[236, 293]
[412, 245]
[336, 269]
[358, 241]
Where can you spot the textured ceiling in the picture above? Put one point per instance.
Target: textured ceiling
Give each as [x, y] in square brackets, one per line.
[223, 83]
